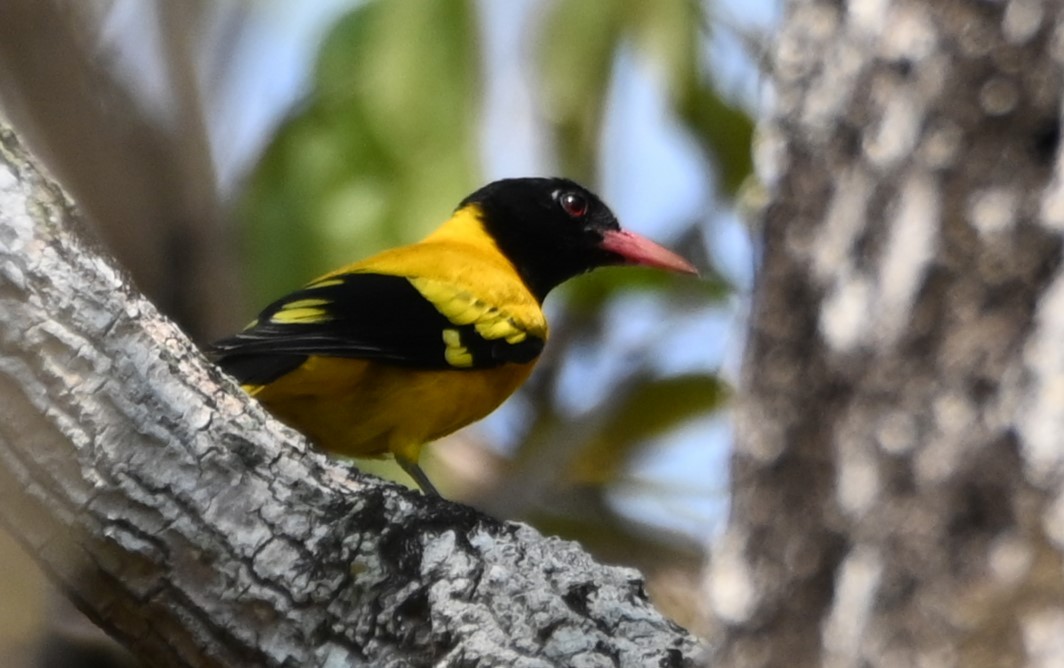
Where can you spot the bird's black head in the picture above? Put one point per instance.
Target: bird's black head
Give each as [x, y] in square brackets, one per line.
[554, 229]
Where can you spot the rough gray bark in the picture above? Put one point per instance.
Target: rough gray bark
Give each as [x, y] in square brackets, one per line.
[201, 533]
[897, 481]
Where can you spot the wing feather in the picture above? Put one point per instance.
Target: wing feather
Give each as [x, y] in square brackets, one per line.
[416, 322]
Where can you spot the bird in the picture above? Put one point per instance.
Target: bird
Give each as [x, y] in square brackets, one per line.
[400, 349]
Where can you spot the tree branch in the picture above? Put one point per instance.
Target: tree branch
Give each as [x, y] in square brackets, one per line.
[200, 532]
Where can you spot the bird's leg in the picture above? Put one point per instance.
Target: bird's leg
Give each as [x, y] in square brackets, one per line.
[415, 472]
[407, 454]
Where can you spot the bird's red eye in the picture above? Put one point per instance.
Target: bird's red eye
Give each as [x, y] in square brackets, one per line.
[574, 204]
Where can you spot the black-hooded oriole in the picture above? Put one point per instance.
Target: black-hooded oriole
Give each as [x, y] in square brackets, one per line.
[394, 351]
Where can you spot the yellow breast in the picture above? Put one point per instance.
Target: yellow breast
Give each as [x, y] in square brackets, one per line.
[366, 409]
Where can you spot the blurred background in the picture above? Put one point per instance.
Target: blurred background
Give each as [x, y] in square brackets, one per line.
[226, 152]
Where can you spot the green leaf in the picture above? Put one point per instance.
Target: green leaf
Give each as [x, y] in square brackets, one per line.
[644, 410]
[577, 50]
[381, 152]
[725, 132]
[594, 291]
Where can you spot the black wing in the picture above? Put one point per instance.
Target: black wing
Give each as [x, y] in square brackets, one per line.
[366, 316]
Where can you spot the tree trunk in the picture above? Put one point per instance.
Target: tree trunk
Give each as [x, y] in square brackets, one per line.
[200, 532]
[897, 480]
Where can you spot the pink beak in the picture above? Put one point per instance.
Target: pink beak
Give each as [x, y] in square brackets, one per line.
[638, 250]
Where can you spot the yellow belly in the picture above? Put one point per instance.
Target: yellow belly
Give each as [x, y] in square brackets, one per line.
[367, 409]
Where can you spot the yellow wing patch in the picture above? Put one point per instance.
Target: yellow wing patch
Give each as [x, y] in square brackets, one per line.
[462, 308]
[456, 353]
[325, 282]
[302, 311]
